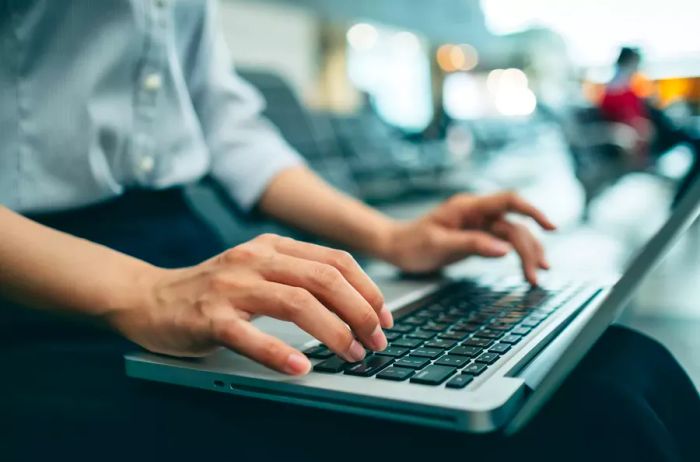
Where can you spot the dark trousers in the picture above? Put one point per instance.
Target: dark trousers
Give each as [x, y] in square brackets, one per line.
[64, 395]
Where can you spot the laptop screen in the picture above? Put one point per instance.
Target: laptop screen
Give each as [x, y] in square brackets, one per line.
[685, 213]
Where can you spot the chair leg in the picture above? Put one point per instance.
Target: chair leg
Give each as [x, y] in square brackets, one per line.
[689, 178]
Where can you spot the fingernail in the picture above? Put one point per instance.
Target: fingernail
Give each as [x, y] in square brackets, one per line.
[356, 352]
[297, 364]
[500, 247]
[385, 318]
[378, 339]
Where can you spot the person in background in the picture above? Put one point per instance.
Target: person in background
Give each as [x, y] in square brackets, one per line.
[656, 133]
[620, 103]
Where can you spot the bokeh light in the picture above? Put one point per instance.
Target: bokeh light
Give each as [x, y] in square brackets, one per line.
[453, 58]
[510, 92]
[362, 36]
[462, 98]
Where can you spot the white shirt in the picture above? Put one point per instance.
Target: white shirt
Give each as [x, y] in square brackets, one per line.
[101, 96]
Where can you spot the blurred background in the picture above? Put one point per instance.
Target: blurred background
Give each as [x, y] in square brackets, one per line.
[405, 102]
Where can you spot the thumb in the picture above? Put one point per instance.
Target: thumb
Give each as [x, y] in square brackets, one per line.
[476, 243]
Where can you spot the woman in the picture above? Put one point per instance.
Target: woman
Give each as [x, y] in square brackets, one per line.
[65, 392]
[111, 108]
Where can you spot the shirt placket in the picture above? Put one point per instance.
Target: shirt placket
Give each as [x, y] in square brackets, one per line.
[149, 86]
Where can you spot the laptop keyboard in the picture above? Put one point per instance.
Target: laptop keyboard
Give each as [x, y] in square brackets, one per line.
[453, 335]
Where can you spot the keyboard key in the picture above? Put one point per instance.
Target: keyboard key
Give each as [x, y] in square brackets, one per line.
[331, 365]
[460, 381]
[500, 326]
[519, 314]
[369, 366]
[469, 351]
[424, 314]
[423, 352]
[465, 305]
[435, 327]
[489, 333]
[478, 342]
[466, 327]
[454, 361]
[393, 351]
[395, 373]
[402, 328]
[318, 352]
[509, 320]
[521, 331]
[446, 318]
[511, 339]
[500, 348]
[412, 362]
[440, 343]
[491, 311]
[407, 342]
[535, 298]
[479, 319]
[392, 335]
[452, 335]
[414, 321]
[433, 375]
[531, 323]
[488, 358]
[474, 369]
[422, 334]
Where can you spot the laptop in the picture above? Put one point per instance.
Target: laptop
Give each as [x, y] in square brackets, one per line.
[471, 355]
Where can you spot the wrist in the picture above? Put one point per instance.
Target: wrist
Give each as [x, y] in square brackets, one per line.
[385, 245]
[136, 294]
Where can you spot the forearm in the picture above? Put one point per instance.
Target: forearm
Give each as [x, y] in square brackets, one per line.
[44, 268]
[300, 198]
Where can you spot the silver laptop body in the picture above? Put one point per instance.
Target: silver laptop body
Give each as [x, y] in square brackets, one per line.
[505, 396]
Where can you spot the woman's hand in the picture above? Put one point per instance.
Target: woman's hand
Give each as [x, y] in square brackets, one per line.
[464, 225]
[468, 225]
[195, 310]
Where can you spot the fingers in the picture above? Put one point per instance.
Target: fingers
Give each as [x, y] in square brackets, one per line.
[526, 245]
[520, 205]
[459, 244]
[501, 203]
[541, 258]
[299, 306]
[329, 286]
[348, 267]
[243, 337]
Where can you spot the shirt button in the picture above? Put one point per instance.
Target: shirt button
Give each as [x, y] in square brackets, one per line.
[146, 164]
[153, 82]
[162, 3]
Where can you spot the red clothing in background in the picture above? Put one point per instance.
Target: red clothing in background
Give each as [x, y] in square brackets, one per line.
[622, 105]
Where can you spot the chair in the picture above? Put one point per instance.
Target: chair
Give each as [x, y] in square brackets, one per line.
[312, 136]
[600, 150]
[385, 165]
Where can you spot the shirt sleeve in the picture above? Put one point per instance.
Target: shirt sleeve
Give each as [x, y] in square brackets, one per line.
[247, 151]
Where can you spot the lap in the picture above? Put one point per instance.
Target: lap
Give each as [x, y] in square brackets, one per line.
[64, 393]
[72, 397]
